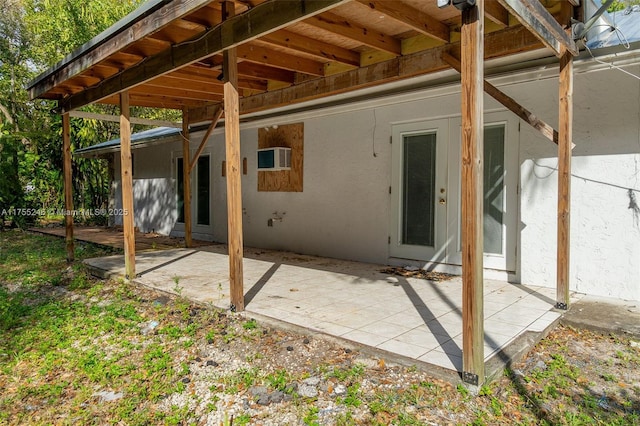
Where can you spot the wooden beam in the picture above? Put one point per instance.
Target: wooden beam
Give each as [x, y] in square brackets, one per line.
[510, 40]
[190, 85]
[204, 113]
[260, 71]
[342, 26]
[229, 56]
[533, 15]
[199, 77]
[144, 27]
[68, 187]
[116, 119]
[267, 56]
[414, 18]
[565, 119]
[179, 93]
[234, 170]
[153, 101]
[256, 22]
[203, 142]
[317, 48]
[127, 189]
[186, 177]
[472, 33]
[496, 13]
[513, 106]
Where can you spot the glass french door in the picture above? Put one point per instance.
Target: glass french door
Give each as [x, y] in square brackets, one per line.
[500, 181]
[200, 190]
[426, 218]
[419, 190]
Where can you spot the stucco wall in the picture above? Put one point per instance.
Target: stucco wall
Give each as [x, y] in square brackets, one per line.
[153, 189]
[605, 227]
[344, 210]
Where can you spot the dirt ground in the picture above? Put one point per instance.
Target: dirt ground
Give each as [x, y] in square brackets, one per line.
[235, 370]
[79, 350]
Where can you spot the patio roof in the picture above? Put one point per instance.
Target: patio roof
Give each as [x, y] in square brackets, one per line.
[169, 53]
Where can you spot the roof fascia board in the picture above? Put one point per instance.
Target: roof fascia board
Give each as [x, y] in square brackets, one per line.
[147, 19]
[540, 22]
[258, 21]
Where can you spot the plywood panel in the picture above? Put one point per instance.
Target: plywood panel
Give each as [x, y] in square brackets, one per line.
[290, 136]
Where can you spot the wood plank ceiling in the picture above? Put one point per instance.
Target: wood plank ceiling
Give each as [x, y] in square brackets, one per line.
[356, 44]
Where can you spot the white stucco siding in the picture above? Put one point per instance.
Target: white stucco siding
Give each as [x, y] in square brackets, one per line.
[605, 232]
[153, 189]
[345, 208]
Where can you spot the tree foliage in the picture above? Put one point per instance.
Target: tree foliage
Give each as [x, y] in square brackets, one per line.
[34, 35]
[619, 5]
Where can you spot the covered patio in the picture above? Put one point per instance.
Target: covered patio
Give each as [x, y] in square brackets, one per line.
[413, 321]
[240, 58]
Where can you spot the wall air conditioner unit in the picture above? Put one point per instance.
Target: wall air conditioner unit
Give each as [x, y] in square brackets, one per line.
[274, 159]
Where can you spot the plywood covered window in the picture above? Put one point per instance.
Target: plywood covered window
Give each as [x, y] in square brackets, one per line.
[285, 136]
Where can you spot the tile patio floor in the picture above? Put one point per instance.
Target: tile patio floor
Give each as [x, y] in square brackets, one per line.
[414, 318]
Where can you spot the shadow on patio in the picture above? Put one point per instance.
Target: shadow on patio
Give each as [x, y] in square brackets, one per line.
[406, 320]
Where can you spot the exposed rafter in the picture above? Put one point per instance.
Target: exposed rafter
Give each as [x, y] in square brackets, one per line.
[260, 20]
[503, 42]
[307, 45]
[496, 13]
[538, 20]
[147, 25]
[116, 119]
[414, 18]
[336, 24]
[266, 56]
[283, 46]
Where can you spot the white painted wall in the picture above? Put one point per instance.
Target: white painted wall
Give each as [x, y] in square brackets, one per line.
[605, 230]
[153, 189]
[344, 210]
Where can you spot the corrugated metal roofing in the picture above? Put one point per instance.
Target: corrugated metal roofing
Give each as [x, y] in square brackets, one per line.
[148, 137]
[627, 29]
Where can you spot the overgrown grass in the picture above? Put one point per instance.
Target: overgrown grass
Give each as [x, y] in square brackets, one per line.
[67, 341]
[57, 343]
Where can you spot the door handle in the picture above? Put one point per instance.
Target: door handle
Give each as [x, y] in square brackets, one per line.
[443, 201]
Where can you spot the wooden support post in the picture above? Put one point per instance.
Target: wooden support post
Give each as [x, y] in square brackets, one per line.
[472, 77]
[68, 186]
[203, 142]
[186, 177]
[234, 191]
[513, 106]
[127, 188]
[565, 136]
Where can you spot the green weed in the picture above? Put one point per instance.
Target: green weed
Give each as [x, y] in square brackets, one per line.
[311, 416]
[250, 324]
